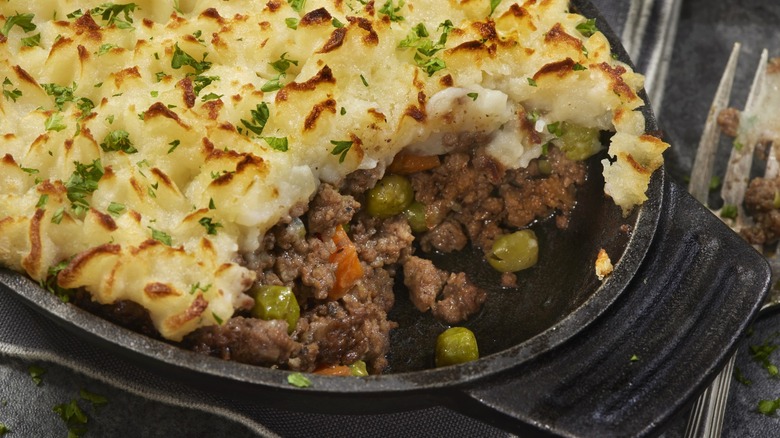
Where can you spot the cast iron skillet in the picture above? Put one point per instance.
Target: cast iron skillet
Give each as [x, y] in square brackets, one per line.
[562, 354]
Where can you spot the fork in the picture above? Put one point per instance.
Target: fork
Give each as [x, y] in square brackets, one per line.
[706, 418]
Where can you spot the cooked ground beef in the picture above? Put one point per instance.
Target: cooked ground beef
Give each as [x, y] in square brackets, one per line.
[728, 121]
[474, 194]
[424, 281]
[248, 340]
[761, 204]
[469, 198]
[460, 299]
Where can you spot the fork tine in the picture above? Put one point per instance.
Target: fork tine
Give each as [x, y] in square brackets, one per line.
[738, 171]
[701, 173]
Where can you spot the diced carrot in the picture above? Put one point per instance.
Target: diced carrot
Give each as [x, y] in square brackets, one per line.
[334, 370]
[348, 267]
[405, 163]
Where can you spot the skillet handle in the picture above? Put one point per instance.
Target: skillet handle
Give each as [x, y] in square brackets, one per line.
[653, 350]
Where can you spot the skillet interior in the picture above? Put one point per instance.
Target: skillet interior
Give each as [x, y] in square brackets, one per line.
[559, 284]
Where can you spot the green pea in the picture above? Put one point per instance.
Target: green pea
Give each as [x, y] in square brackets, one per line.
[578, 142]
[276, 302]
[545, 168]
[358, 369]
[456, 345]
[514, 252]
[390, 196]
[415, 215]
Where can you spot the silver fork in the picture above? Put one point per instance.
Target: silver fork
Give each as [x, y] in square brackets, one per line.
[706, 418]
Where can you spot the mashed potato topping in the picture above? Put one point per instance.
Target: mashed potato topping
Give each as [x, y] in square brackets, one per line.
[146, 145]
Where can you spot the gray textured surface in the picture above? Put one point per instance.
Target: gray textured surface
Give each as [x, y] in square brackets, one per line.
[708, 28]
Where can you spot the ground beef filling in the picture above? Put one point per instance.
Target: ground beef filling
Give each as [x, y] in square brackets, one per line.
[761, 203]
[469, 199]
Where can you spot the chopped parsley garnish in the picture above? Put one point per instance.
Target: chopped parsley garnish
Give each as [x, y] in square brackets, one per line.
[212, 206]
[12, 94]
[95, 399]
[391, 10]
[341, 148]
[363, 79]
[297, 5]
[61, 94]
[36, 374]
[82, 183]
[432, 65]
[180, 59]
[4, 429]
[277, 143]
[200, 82]
[578, 67]
[55, 122]
[173, 145]
[211, 96]
[217, 318]
[336, 23]
[298, 380]
[761, 354]
[116, 209]
[634, 358]
[769, 407]
[118, 140]
[280, 66]
[210, 226]
[197, 287]
[73, 417]
[493, 5]
[259, 118]
[531, 82]
[343, 111]
[24, 21]
[587, 27]
[283, 63]
[272, 84]
[419, 39]
[29, 170]
[473, 96]
[110, 13]
[85, 106]
[56, 218]
[161, 236]
[729, 211]
[50, 282]
[32, 41]
[105, 48]
[42, 201]
[555, 129]
[217, 174]
[198, 36]
[292, 23]
[151, 190]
